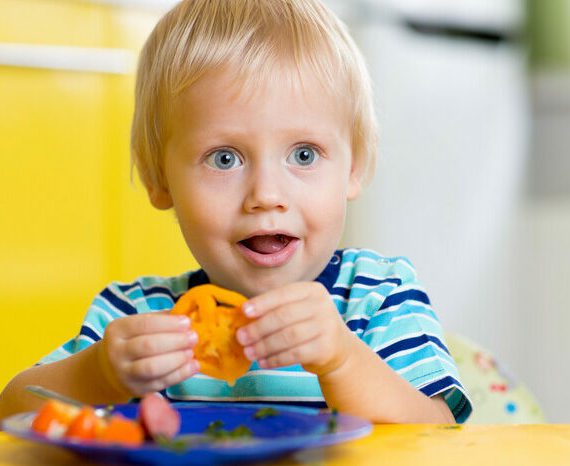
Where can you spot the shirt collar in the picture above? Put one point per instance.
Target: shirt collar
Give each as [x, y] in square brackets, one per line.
[327, 277]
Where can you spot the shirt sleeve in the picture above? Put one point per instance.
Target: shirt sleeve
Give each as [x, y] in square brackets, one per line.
[110, 304]
[406, 333]
[145, 294]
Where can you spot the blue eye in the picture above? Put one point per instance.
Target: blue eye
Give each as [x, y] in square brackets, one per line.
[223, 160]
[303, 156]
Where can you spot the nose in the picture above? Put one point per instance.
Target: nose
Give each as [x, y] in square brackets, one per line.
[266, 191]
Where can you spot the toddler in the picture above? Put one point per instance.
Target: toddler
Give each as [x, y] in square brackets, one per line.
[254, 122]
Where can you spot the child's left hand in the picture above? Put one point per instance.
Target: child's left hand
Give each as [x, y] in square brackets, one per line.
[295, 324]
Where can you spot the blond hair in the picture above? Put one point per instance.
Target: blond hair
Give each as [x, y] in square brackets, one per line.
[253, 36]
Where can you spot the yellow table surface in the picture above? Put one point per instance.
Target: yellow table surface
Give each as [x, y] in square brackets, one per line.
[544, 444]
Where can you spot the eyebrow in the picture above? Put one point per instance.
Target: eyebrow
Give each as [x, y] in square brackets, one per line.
[291, 133]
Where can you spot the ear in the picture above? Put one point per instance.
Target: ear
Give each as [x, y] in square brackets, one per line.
[159, 197]
[354, 181]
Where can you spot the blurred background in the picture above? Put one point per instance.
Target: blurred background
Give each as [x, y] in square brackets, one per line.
[472, 184]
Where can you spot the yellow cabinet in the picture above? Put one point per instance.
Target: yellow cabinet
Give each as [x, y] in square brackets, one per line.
[71, 220]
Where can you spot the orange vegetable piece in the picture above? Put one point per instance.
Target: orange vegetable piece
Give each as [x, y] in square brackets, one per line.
[122, 431]
[215, 315]
[54, 417]
[85, 426]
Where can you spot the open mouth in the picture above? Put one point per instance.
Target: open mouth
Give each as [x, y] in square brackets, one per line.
[269, 250]
[267, 244]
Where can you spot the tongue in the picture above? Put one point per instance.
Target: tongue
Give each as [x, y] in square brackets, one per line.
[267, 244]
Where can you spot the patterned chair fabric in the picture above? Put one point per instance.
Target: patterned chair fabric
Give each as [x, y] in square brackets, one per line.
[497, 397]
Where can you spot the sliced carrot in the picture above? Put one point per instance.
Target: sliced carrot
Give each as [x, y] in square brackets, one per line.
[84, 426]
[54, 417]
[122, 431]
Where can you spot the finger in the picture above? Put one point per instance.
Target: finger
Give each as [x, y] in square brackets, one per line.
[302, 354]
[144, 346]
[155, 367]
[286, 338]
[283, 316]
[259, 305]
[178, 375]
[154, 322]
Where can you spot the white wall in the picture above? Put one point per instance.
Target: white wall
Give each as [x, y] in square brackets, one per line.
[543, 243]
[453, 119]
[452, 193]
[543, 302]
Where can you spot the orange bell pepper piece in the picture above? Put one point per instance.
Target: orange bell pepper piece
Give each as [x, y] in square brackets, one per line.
[215, 315]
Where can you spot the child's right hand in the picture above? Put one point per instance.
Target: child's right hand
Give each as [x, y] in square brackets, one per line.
[147, 352]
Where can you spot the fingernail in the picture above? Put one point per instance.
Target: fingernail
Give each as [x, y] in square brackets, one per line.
[242, 336]
[184, 321]
[262, 363]
[192, 337]
[249, 353]
[248, 309]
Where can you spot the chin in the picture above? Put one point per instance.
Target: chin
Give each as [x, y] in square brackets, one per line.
[258, 288]
[260, 285]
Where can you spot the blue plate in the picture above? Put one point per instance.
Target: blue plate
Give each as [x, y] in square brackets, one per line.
[291, 429]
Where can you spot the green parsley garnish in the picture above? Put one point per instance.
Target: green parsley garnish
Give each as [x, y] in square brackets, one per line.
[262, 413]
[332, 423]
[241, 431]
[214, 427]
[177, 444]
[216, 431]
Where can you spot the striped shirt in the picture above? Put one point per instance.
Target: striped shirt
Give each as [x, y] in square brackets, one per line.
[379, 299]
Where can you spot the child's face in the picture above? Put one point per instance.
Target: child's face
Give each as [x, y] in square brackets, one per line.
[259, 180]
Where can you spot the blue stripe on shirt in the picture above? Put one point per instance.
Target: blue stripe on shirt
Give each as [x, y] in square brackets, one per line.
[402, 296]
[357, 292]
[199, 277]
[437, 386]
[303, 404]
[369, 281]
[150, 292]
[329, 275]
[357, 324]
[88, 332]
[409, 343]
[120, 304]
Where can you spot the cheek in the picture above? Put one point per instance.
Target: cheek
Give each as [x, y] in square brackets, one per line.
[197, 216]
[326, 209]
[332, 187]
[198, 201]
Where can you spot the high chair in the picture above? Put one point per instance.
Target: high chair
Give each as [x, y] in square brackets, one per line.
[497, 397]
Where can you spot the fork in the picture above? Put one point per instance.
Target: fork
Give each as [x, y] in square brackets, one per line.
[47, 394]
